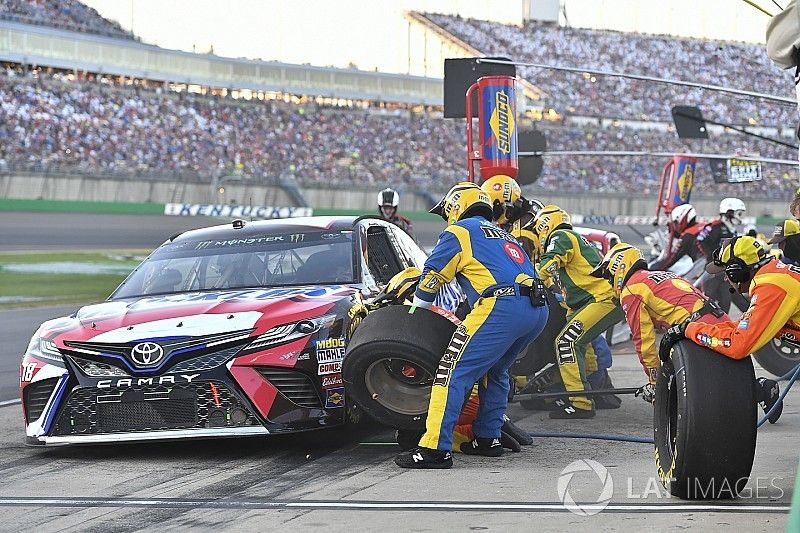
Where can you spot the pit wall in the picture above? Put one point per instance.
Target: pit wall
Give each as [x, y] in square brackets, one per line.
[88, 190]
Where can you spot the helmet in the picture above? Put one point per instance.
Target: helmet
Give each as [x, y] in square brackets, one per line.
[738, 258]
[388, 198]
[786, 229]
[733, 209]
[548, 219]
[682, 217]
[619, 262]
[463, 199]
[503, 192]
[751, 230]
[403, 284]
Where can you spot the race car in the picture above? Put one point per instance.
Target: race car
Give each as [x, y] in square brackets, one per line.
[232, 330]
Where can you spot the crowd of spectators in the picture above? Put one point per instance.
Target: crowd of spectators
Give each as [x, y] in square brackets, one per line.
[730, 64]
[53, 122]
[63, 14]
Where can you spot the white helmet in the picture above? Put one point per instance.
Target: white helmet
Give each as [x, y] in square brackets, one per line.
[388, 196]
[682, 217]
[733, 209]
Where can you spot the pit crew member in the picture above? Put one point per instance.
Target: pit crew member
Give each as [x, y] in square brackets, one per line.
[515, 214]
[507, 313]
[653, 301]
[683, 224]
[388, 205]
[787, 237]
[568, 260]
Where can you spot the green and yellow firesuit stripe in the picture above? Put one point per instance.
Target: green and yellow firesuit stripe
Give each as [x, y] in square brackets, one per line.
[568, 260]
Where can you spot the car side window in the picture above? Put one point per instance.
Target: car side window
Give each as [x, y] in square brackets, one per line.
[414, 255]
[382, 258]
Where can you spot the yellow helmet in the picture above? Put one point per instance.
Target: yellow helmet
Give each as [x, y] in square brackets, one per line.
[618, 263]
[403, 284]
[548, 219]
[503, 192]
[739, 258]
[462, 198]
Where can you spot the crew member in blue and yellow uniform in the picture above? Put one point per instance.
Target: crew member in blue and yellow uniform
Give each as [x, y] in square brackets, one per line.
[568, 260]
[508, 311]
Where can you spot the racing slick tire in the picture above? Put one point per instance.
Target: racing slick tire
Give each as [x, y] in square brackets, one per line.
[542, 350]
[778, 357]
[704, 423]
[390, 363]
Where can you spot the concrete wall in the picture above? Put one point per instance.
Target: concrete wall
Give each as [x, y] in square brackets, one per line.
[35, 186]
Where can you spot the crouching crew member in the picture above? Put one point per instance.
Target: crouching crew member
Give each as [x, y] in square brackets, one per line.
[568, 260]
[655, 300]
[507, 313]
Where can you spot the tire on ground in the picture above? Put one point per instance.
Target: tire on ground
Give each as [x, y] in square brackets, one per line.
[390, 363]
[778, 357]
[542, 350]
[704, 423]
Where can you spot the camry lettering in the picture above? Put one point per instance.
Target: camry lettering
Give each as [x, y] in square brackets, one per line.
[161, 380]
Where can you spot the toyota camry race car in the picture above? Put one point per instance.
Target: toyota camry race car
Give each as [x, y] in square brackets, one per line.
[232, 330]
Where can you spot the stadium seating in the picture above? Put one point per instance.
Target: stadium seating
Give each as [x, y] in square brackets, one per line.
[51, 122]
[737, 65]
[63, 14]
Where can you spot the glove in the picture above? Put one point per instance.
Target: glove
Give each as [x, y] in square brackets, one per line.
[647, 392]
[671, 338]
[515, 432]
[509, 442]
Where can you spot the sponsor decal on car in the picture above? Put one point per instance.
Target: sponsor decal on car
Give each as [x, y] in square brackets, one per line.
[334, 380]
[330, 350]
[329, 368]
[334, 398]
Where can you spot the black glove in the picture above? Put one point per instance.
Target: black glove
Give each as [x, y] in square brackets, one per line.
[509, 442]
[517, 433]
[671, 338]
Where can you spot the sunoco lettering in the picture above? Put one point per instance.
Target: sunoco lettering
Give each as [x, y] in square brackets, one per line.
[129, 382]
[503, 134]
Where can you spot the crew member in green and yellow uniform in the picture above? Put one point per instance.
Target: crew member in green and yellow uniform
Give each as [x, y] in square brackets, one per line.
[568, 260]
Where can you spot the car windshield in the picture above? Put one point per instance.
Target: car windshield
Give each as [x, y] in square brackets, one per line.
[254, 261]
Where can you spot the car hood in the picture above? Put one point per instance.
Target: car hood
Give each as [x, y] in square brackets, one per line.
[197, 313]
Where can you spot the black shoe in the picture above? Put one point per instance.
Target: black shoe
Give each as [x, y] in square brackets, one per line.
[768, 391]
[407, 439]
[420, 457]
[567, 411]
[536, 404]
[607, 401]
[517, 433]
[480, 446]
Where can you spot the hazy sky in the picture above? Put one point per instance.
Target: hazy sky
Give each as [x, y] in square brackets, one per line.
[372, 33]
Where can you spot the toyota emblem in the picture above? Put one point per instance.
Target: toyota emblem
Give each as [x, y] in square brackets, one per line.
[147, 354]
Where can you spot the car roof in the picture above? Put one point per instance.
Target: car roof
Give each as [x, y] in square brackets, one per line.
[268, 227]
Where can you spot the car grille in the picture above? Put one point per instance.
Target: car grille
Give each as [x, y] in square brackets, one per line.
[36, 396]
[294, 385]
[151, 408]
[97, 369]
[206, 362]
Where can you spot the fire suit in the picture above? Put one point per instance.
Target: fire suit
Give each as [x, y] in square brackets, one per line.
[687, 246]
[774, 312]
[403, 223]
[653, 301]
[568, 260]
[497, 277]
[714, 285]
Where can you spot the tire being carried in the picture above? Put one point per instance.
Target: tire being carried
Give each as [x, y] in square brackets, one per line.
[704, 423]
[390, 363]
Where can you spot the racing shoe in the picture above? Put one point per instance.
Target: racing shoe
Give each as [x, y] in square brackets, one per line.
[515, 432]
[488, 447]
[603, 382]
[407, 439]
[420, 457]
[768, 393]
[567, 411]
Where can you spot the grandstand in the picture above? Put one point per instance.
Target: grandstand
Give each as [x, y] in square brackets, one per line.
[151, 113]
[64, 14]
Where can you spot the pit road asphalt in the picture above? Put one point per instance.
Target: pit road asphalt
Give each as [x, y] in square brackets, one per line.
[330, 480]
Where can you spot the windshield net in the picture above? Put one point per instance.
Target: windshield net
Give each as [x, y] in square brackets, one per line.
[258, 261]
